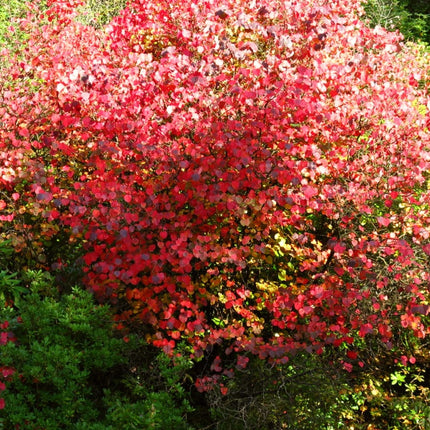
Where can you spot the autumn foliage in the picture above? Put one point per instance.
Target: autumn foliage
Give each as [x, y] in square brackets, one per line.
[244, 177]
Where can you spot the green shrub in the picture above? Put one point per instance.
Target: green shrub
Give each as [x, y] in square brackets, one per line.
[71, 369]
[161, 401]
[64, 355]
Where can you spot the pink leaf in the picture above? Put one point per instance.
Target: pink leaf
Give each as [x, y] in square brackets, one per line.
[382, 221]
[309, 192]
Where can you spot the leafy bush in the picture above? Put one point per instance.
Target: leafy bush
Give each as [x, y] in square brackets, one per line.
[241, 183]
[70, 371]
[248, 179]
[63, 350]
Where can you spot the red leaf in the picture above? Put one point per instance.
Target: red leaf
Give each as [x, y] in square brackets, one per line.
[309, 191]
[365, 329]
[352, 354]
[383, 221]
[67, 120]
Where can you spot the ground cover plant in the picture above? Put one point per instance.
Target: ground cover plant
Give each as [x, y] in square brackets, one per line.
[238, 181]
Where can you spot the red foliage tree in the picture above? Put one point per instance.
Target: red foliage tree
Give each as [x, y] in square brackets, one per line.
[252, 175]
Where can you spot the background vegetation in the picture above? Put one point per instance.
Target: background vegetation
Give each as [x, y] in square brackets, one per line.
[410, 17]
